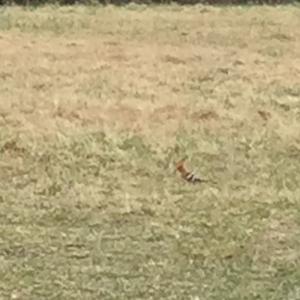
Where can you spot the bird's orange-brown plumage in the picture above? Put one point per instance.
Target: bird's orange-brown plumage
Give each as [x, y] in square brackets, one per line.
[189, 176]
[180, 167]
[185, 174]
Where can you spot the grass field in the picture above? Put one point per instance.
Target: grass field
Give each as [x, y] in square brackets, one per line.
[96, 106]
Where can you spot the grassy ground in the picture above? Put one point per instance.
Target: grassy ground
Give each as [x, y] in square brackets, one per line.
[97, 104]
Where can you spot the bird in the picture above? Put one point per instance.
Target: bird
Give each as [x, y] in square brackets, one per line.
[188, 176]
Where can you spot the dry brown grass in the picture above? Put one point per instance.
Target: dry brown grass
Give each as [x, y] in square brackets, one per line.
[96, 105]
[152, 66]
